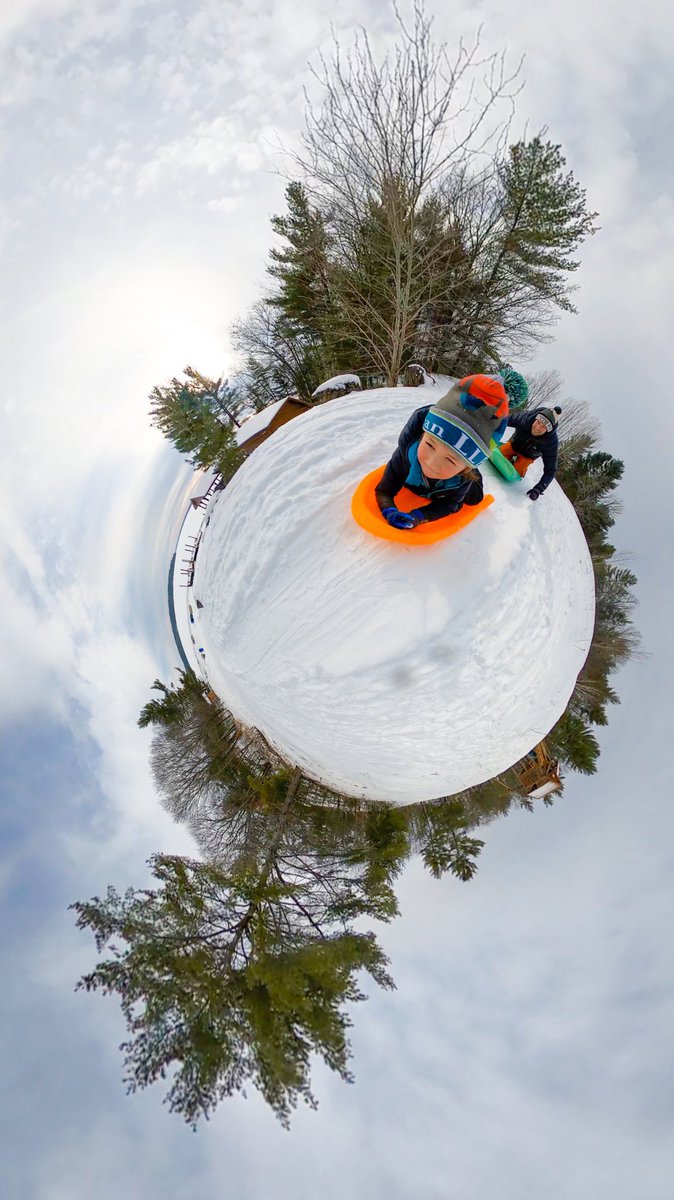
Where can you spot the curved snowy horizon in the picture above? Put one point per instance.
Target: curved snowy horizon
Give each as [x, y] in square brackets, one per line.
[387, 671]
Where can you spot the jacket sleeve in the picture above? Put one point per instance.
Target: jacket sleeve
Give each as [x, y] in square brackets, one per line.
[397, 468]
[520, 421]
[469, 493]
[549, 457]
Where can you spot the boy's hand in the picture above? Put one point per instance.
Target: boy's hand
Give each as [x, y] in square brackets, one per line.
[534, 493]
[399, 520]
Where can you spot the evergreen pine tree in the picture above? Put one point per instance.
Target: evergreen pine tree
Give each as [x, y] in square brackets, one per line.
[227, 980]
[573, 743]
[521, 233]
[176, 701]
[445, 844]
[301, 265]
[588, 484]
[187, 413]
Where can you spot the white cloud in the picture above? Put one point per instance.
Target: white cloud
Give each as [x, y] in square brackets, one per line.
[17, 13]
[212, 148]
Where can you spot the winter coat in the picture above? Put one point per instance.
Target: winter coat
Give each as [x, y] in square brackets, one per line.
[445, 495]
[546, 446]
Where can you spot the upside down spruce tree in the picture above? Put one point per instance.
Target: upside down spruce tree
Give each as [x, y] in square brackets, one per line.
[233, 972]
[235, 975]
[217, 993]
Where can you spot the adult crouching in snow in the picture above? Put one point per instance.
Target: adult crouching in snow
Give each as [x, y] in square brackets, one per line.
[535, 437]
[439, 450]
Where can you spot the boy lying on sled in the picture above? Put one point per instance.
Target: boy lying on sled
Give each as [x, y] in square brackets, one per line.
[440, 448]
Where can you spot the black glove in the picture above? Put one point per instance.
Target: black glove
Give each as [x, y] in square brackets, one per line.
[534, 493]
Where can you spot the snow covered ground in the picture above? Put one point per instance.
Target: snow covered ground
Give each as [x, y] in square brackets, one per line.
[388, 671]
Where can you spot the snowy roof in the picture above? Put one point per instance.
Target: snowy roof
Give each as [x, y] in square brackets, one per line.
[543, 790]
[337, 381]
[257, 422]
[388, 671]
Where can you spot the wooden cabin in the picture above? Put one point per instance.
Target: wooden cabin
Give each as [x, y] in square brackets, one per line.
[256, 428]
[538, 773]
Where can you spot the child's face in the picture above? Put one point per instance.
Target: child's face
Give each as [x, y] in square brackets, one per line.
[437, 460]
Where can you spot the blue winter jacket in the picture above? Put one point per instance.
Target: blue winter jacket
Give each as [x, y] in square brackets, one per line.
[445, 495]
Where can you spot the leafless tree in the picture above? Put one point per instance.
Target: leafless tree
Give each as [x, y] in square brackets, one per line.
[277, 360]
[384, 137]
[413, 118]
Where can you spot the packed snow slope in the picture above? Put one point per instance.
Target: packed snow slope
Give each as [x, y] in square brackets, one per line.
[388, 671]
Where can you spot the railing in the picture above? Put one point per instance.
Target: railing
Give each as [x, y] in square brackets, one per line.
[193, 542]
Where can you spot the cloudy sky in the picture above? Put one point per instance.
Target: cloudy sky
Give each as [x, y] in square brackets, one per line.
[528, 1049]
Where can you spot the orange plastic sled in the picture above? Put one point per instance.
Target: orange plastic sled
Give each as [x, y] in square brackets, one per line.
[365, 512]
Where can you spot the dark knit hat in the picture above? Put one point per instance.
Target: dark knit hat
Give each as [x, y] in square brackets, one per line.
[549, 416]
[468, 416]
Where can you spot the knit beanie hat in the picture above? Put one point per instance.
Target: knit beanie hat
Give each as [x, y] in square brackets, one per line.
[549, 417]
[515, 385]
[468, 416]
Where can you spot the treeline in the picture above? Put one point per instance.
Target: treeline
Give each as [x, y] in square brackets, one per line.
[590, 478]
[453, 274]
[213, 775]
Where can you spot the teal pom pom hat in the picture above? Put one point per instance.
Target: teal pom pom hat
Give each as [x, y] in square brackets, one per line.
[515, 385]
[471, 413]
